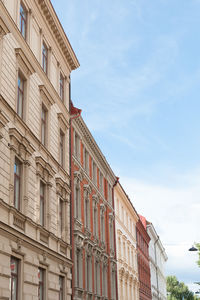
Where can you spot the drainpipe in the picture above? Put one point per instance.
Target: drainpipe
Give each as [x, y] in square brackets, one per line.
[74, 113]
[156, 266]
[116, 275]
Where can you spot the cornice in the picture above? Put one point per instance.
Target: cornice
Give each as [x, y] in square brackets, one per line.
[6, 19]
[94, 147]
[58, 31]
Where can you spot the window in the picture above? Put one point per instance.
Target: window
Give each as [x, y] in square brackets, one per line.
[61, 213]
[97, 277]
[76, 146]
[86, 161]
[104, 279]
[109, 194]
[44, 57]
[77, 201]
[78, 262]
[61, 288]
[41, 287]
[102, 224]
[61, 87]
[14, 268]
[87, 211]
[44, 125]
[101, 182]
[94, 173]
[20, 96]
[42, 203]
[62, 139]
[17, 183]
[23, 20]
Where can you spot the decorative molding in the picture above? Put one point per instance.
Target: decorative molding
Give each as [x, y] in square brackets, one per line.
[62, 188]
[20, 144]
[3, 28]
[23, 62]
[78, 176]
[44, 169]
[19, 221]
[46, 96]
[59, 33]
[3, 122]
[64, 123]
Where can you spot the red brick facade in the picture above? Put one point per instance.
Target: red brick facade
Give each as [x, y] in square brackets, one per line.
[92, 214]
[143, 240]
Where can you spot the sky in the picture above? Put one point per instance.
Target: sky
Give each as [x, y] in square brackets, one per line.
[138, 86]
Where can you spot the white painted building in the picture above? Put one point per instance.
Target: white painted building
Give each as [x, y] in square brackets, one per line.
[158, 259]
[126, 219]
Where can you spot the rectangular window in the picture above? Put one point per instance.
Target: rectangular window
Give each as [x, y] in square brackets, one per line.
[62, 138]
[76, 146]
[42, 203]
[14, 267]
[101, 182]
[61, 213]
[44, 126]
[17, 183]
[77, 201]
[44, 57]
[20, 96]
[23, 20]
[61, 87]
[41, 287]
[86, 160]
[61, 288]
[94, 173]
[109, 194]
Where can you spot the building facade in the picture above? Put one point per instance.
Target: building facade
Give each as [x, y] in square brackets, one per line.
[93, 218]
[126, 245]
[143, 240]
[36, 60]
[158, 259]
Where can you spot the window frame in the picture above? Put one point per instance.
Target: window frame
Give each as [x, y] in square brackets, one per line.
[44, 125]
[21, 94]
[62, 149]
[43, 200]
[45, 57]
[62, 87]
[61, 287]
[61, 215]
[23, 21]
[16, 276]
[19, 178]
[41, 283]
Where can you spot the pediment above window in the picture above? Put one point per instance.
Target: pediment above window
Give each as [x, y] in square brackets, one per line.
[78, 176]
[44, 169]
[64, 124]
[62, 188]
[3, 28]
[46, 96]
[23, 63]
[20, 144]
[3, 122]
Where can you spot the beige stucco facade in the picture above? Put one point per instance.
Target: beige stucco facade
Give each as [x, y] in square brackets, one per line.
[35, 244]
[126, 219]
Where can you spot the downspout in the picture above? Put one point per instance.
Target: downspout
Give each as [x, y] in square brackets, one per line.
[156, 266]
[116, 275]
[71, 187]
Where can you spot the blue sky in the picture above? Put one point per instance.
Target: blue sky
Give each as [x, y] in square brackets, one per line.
[138, 86]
